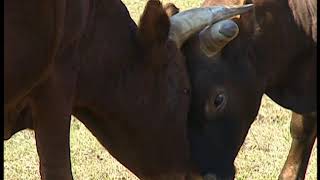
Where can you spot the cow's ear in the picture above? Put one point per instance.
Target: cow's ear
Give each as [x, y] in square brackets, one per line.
[171, 9]
[247, 20]
[154, 24]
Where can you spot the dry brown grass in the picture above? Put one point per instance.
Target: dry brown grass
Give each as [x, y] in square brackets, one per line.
[261, 156]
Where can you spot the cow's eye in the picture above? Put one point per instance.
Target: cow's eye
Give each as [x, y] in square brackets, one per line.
[219, 100]
[215, 104]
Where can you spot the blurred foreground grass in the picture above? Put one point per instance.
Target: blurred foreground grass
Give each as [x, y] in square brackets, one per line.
[261, 157]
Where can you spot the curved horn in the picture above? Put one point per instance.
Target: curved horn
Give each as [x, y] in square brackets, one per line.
[186, 23]
[214, 38]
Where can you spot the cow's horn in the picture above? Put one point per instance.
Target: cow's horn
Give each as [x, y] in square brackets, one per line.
[214, 38]
[188, 22]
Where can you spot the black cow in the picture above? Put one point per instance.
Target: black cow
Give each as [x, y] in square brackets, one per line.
[270, 50]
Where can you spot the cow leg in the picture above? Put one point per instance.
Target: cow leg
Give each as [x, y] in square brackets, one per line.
[303, 131]
[52, 104]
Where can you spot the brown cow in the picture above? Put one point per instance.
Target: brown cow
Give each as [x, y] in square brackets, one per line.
[274, 53]
[127, 84]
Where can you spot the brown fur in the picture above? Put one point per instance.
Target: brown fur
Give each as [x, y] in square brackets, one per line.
[154, 24]
[153, 31]
[125, 83]
[25, 23]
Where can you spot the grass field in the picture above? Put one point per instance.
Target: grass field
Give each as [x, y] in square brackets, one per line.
[261, 157]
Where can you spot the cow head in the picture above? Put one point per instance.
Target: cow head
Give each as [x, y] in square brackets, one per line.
[162, 37]
[226, 93]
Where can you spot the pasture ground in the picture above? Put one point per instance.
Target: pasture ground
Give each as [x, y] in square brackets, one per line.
[261, 157]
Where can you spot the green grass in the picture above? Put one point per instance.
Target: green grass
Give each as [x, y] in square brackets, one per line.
[261, 157]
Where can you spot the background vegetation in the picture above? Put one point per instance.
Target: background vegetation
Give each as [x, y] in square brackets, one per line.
[261, 157]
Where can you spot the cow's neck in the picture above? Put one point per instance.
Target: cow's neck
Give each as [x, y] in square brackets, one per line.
[283, 48]
[125, 104]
